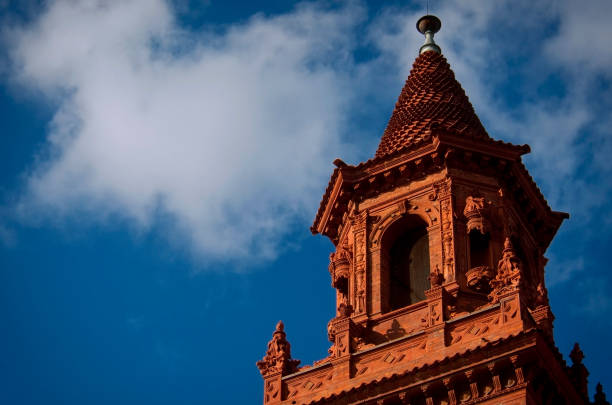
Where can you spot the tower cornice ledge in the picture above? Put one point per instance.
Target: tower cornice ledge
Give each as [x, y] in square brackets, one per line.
[442, 151]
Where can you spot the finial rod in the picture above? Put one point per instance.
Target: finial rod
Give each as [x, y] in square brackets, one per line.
[428, 25]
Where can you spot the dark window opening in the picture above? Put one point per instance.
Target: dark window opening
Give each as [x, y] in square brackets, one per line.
[479, 249]
[409, 268]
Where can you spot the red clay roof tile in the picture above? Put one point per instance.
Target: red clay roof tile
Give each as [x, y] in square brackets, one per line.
[431, 96]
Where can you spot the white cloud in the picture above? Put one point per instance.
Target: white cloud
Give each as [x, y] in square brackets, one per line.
[230, 135]
[582, 41]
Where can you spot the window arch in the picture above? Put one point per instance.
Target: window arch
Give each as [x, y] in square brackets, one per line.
[406, 253]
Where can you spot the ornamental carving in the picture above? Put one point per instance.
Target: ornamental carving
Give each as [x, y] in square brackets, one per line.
[396, 331]
[472, 330]
[339, 267]
[509, 269]
[509, 309]
[360, 271]
[448, 252]
[478, 278]
[436, 278]
[476, 211]
[278, 356]
[272, 390]
[360, 276]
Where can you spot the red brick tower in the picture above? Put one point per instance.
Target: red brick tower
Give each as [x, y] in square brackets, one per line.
[438, 267]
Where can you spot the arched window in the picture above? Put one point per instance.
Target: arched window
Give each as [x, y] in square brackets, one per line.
[407, 254]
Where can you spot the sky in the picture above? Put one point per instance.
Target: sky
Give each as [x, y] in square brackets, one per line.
[161, 163]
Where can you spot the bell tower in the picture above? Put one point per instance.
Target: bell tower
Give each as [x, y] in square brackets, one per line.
[438, 267]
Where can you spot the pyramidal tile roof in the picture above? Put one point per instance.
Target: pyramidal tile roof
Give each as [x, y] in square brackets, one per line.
[431, 97]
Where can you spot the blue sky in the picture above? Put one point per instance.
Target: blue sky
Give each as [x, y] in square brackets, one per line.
[161, 163]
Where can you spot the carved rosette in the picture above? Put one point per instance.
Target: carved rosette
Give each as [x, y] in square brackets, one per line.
[509, 271]
[278, 356]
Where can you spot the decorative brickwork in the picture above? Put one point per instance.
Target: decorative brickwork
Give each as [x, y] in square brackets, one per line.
[450, 217]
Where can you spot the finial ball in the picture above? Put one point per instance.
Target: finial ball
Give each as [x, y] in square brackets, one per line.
[429, 23]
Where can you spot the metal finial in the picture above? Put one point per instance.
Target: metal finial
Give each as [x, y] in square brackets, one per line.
[428, 25]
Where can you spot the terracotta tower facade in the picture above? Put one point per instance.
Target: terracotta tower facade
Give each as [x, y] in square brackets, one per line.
[438, 267]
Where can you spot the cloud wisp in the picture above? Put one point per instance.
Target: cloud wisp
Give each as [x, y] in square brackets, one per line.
[229, 135]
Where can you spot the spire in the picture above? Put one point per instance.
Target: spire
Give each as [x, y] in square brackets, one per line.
[431, 97]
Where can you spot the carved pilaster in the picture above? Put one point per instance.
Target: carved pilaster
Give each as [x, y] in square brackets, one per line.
[435, 318]
[360, 250]
[447, 229]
